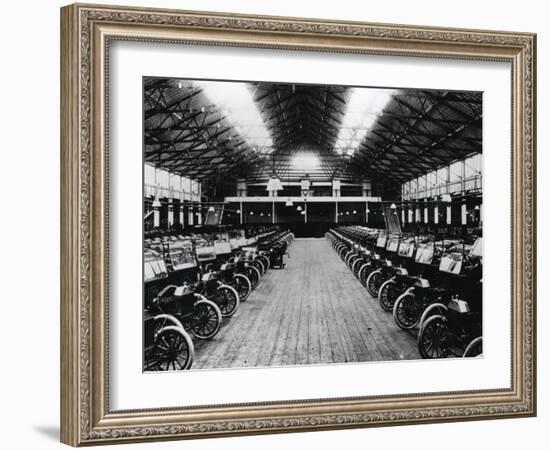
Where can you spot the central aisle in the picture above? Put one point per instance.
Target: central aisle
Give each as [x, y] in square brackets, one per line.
[312, 312]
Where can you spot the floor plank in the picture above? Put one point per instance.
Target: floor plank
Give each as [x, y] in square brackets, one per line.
[312, 312]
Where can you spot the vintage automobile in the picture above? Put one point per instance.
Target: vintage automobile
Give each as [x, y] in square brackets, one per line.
[252, 256]
[376, 260]
[210, 281]
[458, 274]
[456, 332]
[386, 268]
[155, 272]
[197, 314]
[227, 267]
[277, 254]
[400, 278]
[167, 345]
[424, 288]
[246, 268]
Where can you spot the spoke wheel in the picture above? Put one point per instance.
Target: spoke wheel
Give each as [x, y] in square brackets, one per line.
[433, 339]
[164, 320]
[228, 300]
[374, 281]
[387, 294]
[253, 275]
[364, 274]
[432, 310]
[356, 265]
[474, 348]
[405, 313]
[172, 350]
[266, 261]
[206, 319]
[259, 265]
[243, 286]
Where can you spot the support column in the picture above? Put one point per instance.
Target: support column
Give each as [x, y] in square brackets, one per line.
[449, 217]
[156, 213]
[336, 212]
[191, 215]
[182, 221]
[366, 212]
[426, 219]
[273, 213]
[241, 213]
[410, 212]
[305, 210]
[436, 214]
[170, 213]
[199, 215]
[464, 214]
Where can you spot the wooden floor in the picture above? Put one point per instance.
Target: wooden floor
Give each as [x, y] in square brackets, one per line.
[312, 312]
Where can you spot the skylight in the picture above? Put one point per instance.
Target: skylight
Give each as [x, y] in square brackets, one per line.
[363, 108]
[305, 161]
[235, 102]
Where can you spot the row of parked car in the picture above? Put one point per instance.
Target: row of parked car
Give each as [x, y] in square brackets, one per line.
[192, 283]
[429, 283]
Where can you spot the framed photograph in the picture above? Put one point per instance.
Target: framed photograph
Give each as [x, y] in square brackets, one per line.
[276, 224]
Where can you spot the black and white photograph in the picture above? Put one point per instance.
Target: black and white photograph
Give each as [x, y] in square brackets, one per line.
[299, 224]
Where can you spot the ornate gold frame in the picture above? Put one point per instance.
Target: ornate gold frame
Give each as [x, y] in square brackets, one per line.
[85, 33]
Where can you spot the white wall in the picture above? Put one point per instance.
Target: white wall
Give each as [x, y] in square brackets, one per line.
[29, 222]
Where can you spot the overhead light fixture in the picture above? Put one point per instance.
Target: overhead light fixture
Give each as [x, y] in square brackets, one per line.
[303, 213]
[156, 203]
[289, 202]
[211, 209]
[446, 198]
[393, 206]
[299, 208]
[363, 108]
[274, 184]
[251, 213]
[354, 211]
[476, 207]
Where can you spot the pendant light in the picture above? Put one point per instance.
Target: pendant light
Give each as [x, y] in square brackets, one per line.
[289, 202]
[274, 184]
[299, 208]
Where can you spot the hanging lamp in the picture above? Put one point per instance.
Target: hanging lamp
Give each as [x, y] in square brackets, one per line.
[274, 183]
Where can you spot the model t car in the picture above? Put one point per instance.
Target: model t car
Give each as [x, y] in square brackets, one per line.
[227, 269]
[167, 345]
[375, 261]
[210, 281]
[385, 268]
[454, 328]
[399, 279]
